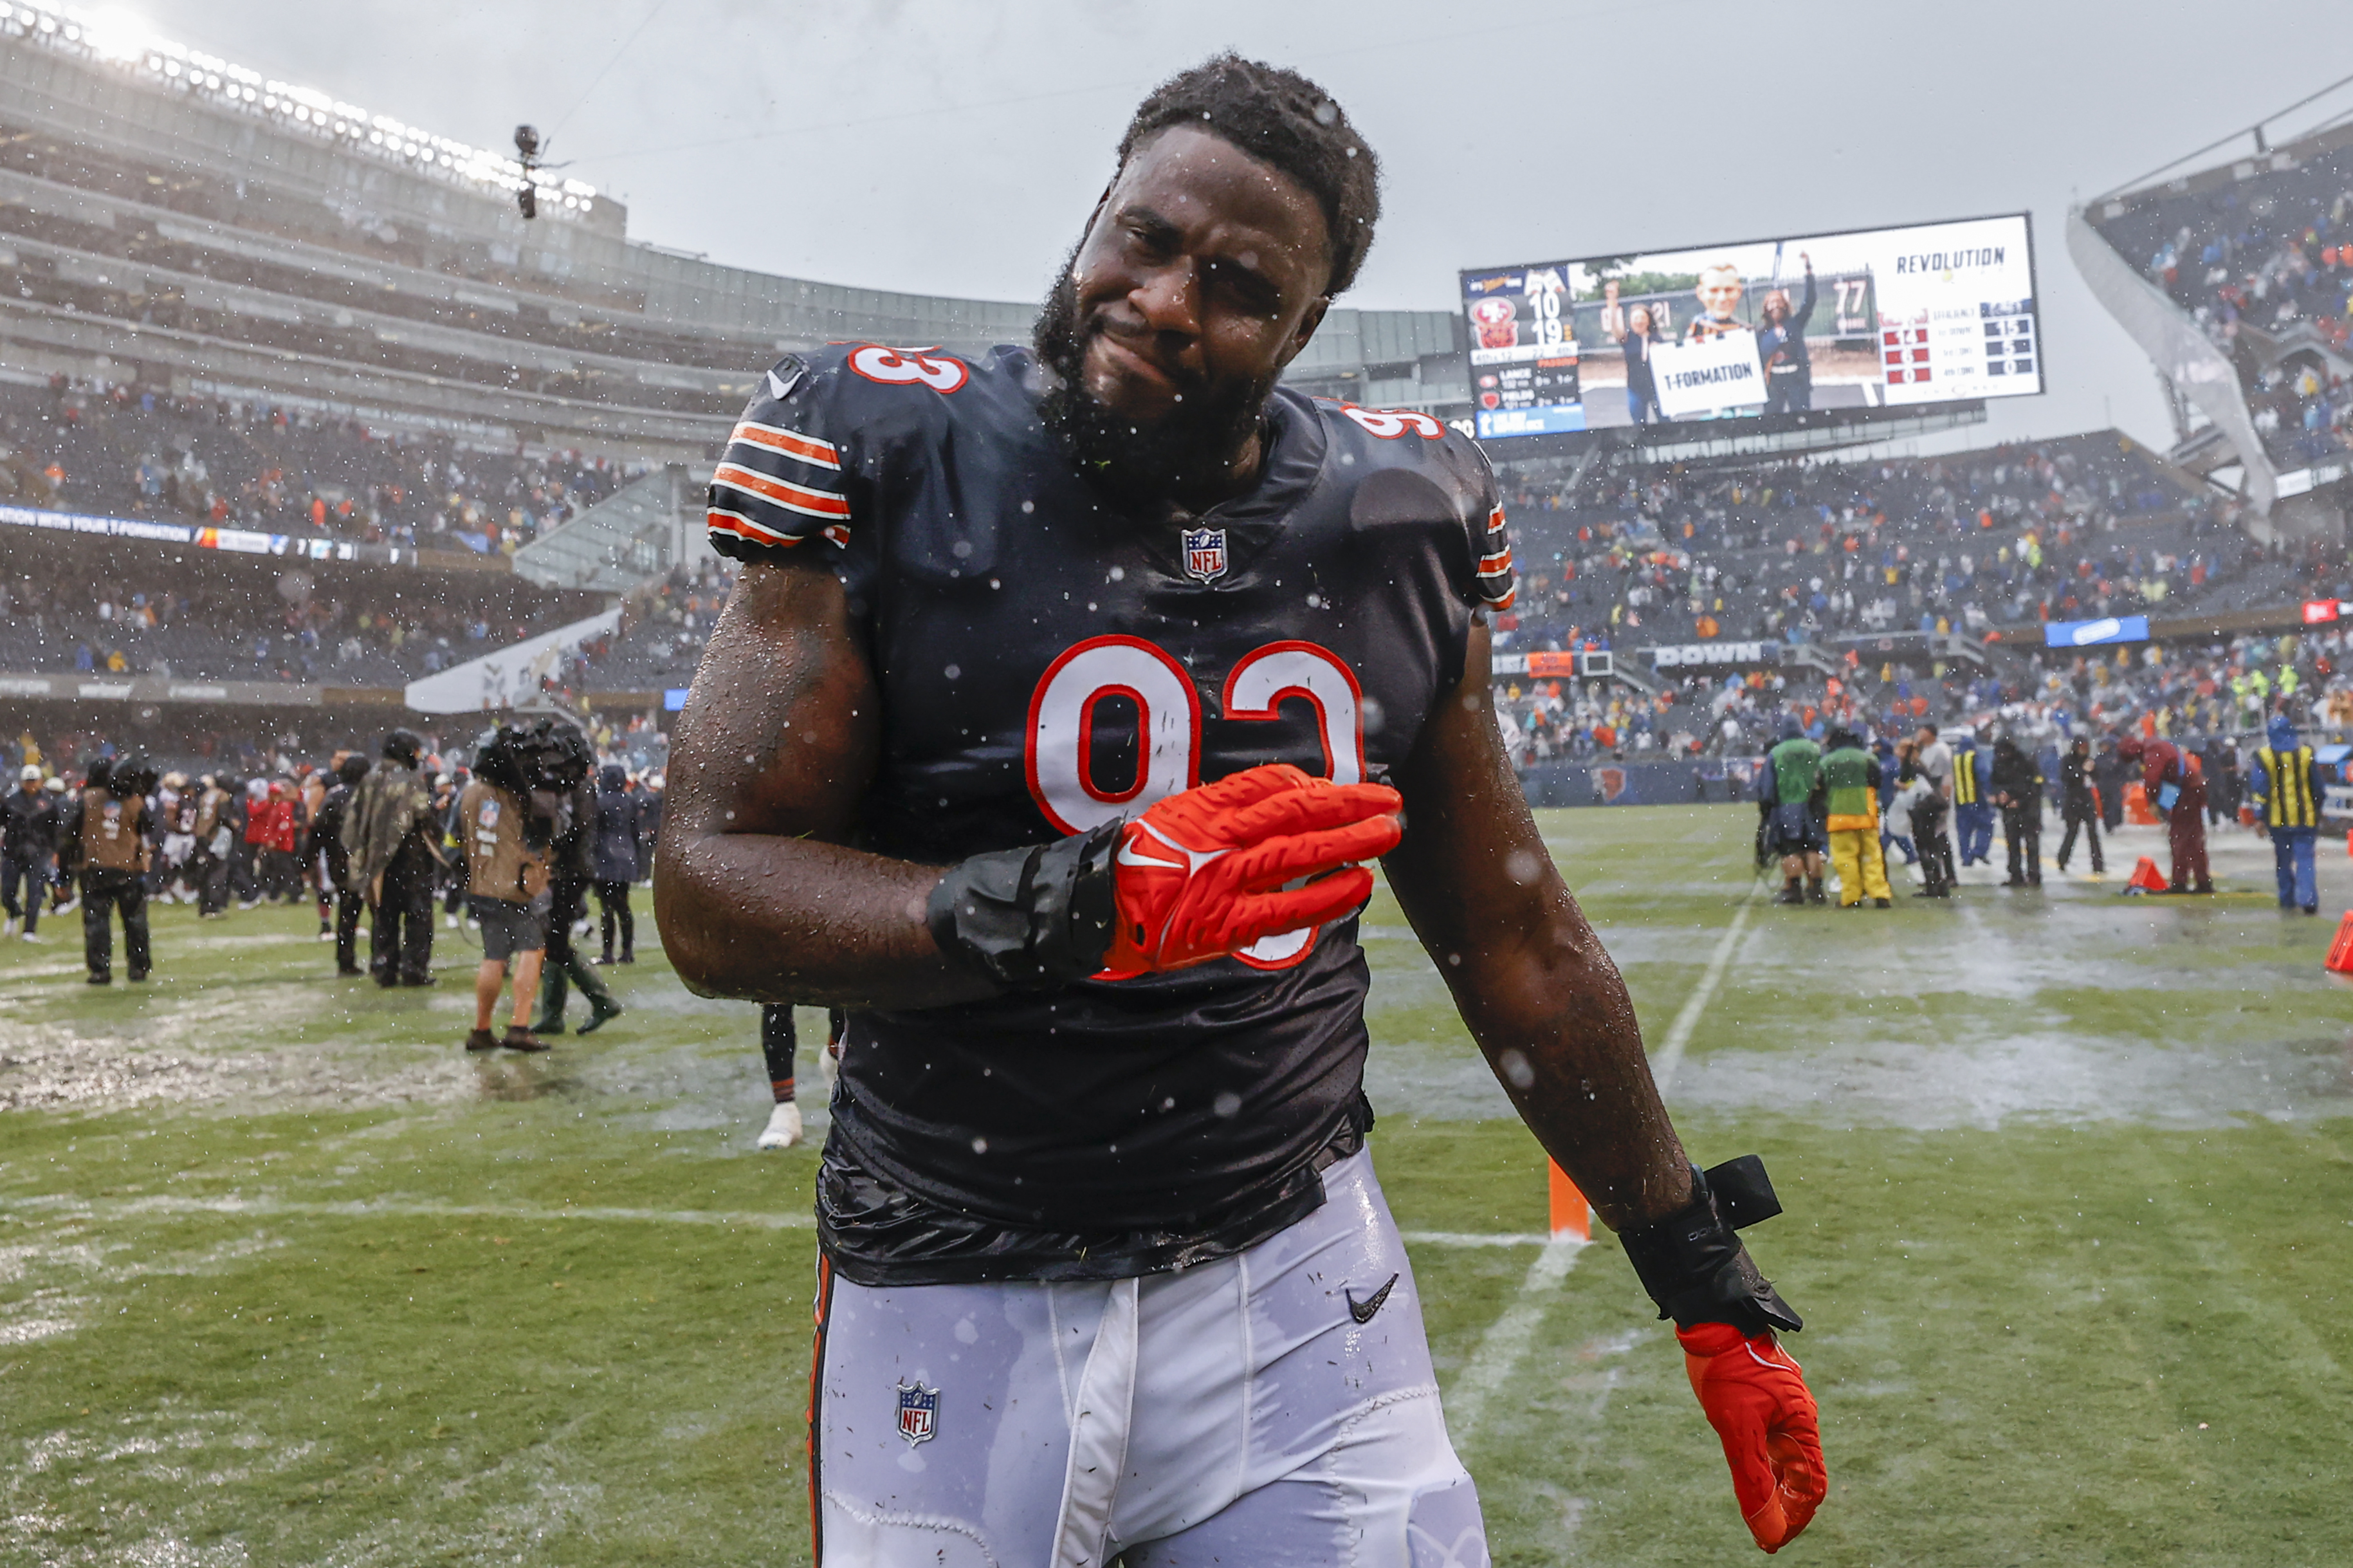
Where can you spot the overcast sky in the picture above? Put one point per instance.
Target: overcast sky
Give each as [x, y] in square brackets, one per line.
[952, 146]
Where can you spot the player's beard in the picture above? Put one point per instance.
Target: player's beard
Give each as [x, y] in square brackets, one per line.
[1188, 450]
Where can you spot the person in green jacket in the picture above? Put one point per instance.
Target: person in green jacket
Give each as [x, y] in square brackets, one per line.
[1850, 789]
[1793, 772]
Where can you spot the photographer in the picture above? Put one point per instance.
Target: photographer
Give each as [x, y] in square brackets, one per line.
[103, 839]
[508, 817]
[388, 832]
[333, 863]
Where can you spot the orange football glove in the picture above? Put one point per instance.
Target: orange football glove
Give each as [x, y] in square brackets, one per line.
[1756, 1399]
[1201, 874]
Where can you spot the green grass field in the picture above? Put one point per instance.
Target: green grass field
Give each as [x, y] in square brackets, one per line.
[286, 1278]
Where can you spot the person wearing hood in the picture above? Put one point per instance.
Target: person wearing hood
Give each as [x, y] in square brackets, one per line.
[2176, 786]
[389, 833]
[332, 861]
[2018, 791]
[1973, 803]
[572, 864]
[1851, 778]
[2079, 803]
[2287, 787]
[1792, 774]
[617, 831]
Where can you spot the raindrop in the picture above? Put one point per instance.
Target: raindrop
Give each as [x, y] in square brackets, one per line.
[954, 671]
[1516, 1071]
[961, 548]
[1328, 113]
[1521, 867]
[1119, 573]
[995, 583]
[1227, 1103]
[979, 1145]
[1028, 506]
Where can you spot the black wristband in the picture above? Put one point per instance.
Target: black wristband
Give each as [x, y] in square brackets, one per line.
[1695, 1268]
[1033, 917]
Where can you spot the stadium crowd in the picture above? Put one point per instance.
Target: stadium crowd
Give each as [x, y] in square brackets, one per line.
[119, 448]
[2266, 266]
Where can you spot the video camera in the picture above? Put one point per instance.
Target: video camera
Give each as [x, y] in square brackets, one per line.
[543, 765]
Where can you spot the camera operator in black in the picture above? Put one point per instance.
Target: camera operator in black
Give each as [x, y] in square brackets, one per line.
[617, 832]
[28, 841]
[103, 841]
[572, 871]
[333, 862]
[390, 834]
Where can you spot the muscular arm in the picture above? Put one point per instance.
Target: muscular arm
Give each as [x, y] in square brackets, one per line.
[1531, 978]
[757, 890]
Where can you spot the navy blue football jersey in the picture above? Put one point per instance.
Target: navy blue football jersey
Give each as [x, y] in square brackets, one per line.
[1046, 664]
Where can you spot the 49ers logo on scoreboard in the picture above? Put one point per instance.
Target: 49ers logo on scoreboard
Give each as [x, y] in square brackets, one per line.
[941, 372]
[1390, 424]
[1058, 746]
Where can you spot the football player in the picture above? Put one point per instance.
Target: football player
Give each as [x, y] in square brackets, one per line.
[1060, 697]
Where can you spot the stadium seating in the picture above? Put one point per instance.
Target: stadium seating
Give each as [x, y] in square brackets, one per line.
[124, 450]
[2263, 263]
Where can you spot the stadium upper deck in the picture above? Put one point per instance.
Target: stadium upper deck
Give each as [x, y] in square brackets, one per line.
[175, 220]
[2236, 279]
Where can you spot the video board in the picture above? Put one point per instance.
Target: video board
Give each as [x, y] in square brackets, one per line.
[1907, 316]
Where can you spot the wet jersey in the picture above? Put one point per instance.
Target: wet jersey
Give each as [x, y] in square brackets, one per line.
[1046, 665]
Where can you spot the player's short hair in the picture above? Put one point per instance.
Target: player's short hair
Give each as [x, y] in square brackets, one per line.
[1284, 119]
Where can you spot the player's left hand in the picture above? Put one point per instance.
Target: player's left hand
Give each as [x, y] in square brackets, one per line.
[1756, 1399]
[1203, 873]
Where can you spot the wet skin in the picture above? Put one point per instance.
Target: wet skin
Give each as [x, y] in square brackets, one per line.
[1203, 267]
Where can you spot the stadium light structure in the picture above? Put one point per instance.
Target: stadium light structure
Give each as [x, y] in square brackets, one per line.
[124, 42]
[526, 140]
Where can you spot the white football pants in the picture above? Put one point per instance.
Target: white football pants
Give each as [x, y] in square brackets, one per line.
[1275, 1409]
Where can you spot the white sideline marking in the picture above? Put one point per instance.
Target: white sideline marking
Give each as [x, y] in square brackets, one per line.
[266, 1208]
[1507, 1339]
[1670, 1057]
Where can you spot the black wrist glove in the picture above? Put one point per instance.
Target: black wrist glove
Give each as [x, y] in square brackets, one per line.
[1695, 1268]
[1030, 919]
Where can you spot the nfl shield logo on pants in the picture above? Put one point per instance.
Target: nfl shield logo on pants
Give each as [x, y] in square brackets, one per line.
[919, 1410]
[1205, 554]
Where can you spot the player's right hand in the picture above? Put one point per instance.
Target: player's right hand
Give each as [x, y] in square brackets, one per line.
[1756, 1399]
[1201, 874]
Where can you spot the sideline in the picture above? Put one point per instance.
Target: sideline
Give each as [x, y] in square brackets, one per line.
[1507, 1339]
[71, 1208]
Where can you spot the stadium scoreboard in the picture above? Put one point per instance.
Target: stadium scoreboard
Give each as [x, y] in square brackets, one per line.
[1886, 318]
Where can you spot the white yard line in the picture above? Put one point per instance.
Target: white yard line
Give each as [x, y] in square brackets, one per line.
[1507, 1339]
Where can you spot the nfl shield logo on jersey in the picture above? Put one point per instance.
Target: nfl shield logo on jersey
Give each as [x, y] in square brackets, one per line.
[1205, 554]
[919, 1411]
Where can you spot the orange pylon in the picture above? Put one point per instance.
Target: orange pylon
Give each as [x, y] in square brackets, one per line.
[2341, 959]
[1571, 1214]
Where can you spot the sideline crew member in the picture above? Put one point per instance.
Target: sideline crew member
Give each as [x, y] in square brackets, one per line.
[2289, 790]
[1851, 778]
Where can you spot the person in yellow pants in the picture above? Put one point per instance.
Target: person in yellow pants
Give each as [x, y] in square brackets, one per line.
[1851, 779]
